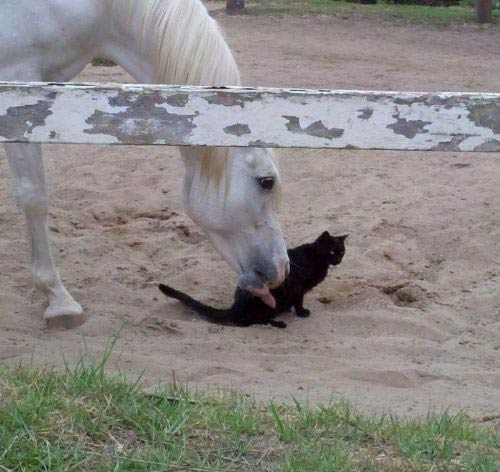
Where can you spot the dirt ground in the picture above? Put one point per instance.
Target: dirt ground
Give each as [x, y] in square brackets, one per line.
[409, 320]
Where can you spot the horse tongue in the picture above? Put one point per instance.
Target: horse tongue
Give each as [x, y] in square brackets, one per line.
[269, 300]
[265, 295]
[251, 283]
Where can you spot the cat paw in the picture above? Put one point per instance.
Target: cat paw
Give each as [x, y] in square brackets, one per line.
[278, 324]
[303, 312]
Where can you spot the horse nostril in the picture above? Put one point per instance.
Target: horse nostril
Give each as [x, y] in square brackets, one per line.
[259, 274]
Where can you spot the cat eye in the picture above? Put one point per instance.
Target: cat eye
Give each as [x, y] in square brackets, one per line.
[267, 183]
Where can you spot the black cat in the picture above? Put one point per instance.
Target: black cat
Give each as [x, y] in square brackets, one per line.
[309, 265]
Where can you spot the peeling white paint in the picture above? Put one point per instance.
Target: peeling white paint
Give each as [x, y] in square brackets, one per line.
[7, 98]
[75, 109]
[176, 115]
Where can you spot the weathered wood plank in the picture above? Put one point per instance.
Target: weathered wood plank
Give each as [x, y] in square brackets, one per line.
[204, 116]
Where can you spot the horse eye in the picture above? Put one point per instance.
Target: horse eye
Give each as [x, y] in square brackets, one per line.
[267, 183]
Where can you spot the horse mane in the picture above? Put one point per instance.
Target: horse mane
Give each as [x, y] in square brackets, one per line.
[188, 48]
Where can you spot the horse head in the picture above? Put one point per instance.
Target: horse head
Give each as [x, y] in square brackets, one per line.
[232, 194]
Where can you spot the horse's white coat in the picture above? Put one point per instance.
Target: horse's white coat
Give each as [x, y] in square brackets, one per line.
[169, 41]
[147, 114]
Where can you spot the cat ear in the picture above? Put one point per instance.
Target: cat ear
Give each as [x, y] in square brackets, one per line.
[323, 239]
[344, 237]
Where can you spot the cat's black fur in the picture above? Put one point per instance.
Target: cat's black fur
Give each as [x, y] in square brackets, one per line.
[309, 264]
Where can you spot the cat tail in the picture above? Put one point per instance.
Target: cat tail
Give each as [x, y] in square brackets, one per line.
[200, 308]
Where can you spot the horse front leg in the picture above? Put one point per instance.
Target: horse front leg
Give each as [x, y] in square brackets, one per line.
[26, 164]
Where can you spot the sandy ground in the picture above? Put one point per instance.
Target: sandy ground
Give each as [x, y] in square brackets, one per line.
[409, 320]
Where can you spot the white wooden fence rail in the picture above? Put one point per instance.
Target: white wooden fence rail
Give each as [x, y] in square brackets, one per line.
[205, 116]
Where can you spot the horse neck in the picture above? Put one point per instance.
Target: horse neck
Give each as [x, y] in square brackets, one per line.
[173, 42]
[169, 41]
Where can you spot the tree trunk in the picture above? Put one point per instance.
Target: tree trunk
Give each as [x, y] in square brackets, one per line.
[235, 6]
[483, 10]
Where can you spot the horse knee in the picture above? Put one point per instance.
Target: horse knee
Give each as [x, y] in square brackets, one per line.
[45, 279]
[32, 199]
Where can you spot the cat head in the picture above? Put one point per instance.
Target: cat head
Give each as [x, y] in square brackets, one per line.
[331, 247]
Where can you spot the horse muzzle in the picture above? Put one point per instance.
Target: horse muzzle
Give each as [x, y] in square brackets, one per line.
[259, 280]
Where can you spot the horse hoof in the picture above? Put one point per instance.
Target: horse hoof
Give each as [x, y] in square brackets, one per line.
[62, 319]
[65, 322]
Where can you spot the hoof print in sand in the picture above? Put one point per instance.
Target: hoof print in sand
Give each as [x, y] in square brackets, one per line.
[405, 295]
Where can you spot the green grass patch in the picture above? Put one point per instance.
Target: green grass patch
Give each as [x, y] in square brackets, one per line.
[439, 16]
[84, 419]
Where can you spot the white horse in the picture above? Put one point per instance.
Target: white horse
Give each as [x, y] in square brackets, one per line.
[229, 193]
